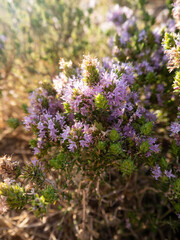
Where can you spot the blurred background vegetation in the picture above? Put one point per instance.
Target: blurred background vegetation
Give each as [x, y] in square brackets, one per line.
[35, 34]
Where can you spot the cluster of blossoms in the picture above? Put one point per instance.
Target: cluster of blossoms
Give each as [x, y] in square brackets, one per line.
[139, 45]
[83, 112]
[156, 171]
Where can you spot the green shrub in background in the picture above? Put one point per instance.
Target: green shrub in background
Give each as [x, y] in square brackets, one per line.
[34, 35]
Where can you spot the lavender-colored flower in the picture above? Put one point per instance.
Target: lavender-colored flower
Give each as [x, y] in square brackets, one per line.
[53, 134]
[60, 119]
[169, 174]
[65, 133]
[160, 88]
[160, 102]
[129, 131]
[47, 116]
[124, 38]
[154, 148]
[157, 37]
[175, 128]
[42, 134]
[40, 143]
[52, 129]
[83, 143]
[156, 171]
[171, 25]
[119, 14]
[40, 126]
[142, 35]
[146, 66]
[88, 138]
[36, 151]
[50, 124]
[128, 224]
[107, 63]
[27, 122]
[3, 38]
[34, 161]
[147, 93]
[72, 146]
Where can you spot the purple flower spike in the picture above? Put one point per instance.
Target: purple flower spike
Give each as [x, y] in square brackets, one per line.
[34, 161]
[169, 174]
[156, 171]
[72, 146]
[175, 127]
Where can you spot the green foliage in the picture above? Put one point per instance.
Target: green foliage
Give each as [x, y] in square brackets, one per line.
[144, 147]
[101, 145]
[176, 187]
[151, 77]
[25, 108]
[114, 135]
[147, 128]
[39, 205]
[176, 84]
[99, 126]
[13, 122]
[33, 143]
[16, 196]
[90, 70]
[60, 161]
[93, 75]
[127, 167]
[115, 148]
[175, 149]
[177, 207]
[50, 194]
[67, 107]
[100, 102]
[169, 41]
[163, 163]
[34, 173]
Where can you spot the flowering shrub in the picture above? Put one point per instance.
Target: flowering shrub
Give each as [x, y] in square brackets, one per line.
[91, 116]
[86, 124]
[98, 156]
